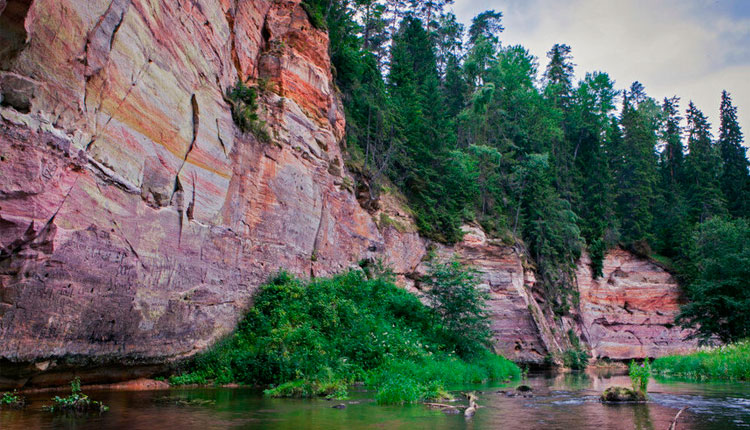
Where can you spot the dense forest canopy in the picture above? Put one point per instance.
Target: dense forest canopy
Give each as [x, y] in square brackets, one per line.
[470, 130]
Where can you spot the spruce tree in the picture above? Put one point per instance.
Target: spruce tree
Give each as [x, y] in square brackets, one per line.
[735, 182]
[702, 169]
[637, 174]
[671, 223]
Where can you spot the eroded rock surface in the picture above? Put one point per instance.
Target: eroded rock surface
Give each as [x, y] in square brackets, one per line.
[136, 220]
[630, 311]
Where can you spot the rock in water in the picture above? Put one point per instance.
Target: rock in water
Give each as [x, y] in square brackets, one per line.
[622, 394]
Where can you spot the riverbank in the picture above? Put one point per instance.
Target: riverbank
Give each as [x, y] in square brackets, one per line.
[563, 400]
[727, 362]
[317, 338]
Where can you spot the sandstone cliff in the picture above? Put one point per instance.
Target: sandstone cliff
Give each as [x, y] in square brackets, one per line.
[136, 220]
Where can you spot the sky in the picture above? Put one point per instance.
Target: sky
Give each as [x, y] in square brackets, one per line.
[690, 48]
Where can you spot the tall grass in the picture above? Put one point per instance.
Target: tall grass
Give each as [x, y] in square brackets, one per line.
[729, 362]
[305, 339]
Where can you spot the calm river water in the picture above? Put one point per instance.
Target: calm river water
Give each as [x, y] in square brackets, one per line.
[563, 401]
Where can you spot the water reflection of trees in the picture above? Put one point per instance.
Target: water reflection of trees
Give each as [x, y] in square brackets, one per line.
[642, 417]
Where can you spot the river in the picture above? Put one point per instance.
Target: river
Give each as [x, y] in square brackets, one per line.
[560, 401]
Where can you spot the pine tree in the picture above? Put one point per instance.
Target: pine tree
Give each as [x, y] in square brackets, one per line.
[735, 182]
[703, 169]
[589, 120]
[559, 74]
[420, 114]
[672, 156]
[637, 175]
[671, 223]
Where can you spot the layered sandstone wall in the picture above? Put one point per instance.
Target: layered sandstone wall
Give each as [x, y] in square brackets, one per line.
[630, 311]
[136, 220]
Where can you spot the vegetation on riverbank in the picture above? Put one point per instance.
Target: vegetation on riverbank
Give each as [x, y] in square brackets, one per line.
[729, 362]
[77, 401]
[12, 400]
[473, 129]
[313, 338]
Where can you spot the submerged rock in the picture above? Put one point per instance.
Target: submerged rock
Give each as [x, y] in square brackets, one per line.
[622, 394]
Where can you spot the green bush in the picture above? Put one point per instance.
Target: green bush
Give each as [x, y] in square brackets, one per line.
[12, 400]
[577, 357]
[76, 401]
[460, 307]
[639, 375]
[244, 103]
[313, 338]
[729, 362]
[333, 389]
[315, 12]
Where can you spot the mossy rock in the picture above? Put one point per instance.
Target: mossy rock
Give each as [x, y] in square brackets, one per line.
[622, 394]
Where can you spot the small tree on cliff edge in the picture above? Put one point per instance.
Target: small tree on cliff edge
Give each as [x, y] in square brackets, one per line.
[460, 307]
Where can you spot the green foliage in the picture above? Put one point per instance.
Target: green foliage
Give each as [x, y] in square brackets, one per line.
[244, 103]
[459, 307]
[315, 11]
[704, 196]
[76, 402]
[717, 274]
[313, 338]
[639, 375]
[551, 232]
[576, 357]
[728, 362]
[407, 381]
[331, 389]
[735, 177]
[12, 400]
[469, 132]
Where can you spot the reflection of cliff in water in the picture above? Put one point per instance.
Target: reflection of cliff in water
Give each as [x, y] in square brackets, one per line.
[566, 401]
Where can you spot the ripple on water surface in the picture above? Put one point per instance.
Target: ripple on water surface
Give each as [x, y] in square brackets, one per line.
[564, 401]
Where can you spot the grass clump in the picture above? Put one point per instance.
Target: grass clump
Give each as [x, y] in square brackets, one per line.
[313, 338]
[728, 362]
[331, 389]
[12, 400]
[244, 103]
[76, 401]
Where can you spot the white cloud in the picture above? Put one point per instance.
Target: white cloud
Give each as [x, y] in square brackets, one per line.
[690, 48]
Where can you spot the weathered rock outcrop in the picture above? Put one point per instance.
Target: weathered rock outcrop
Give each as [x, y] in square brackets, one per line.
[136, 220]
[630, 311]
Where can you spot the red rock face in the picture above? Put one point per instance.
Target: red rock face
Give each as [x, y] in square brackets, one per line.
[136, 220]
[630, 311]
[519, 332]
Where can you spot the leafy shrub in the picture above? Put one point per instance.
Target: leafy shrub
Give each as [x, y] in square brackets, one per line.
[399, 390]
[76, 401]
[639, 375]
[244, 103]
[315, 12]
[313, 338]
[576, 357]
[12, 400]
[718, 280]
[459, 307]
[728, 362]
[332, 389]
